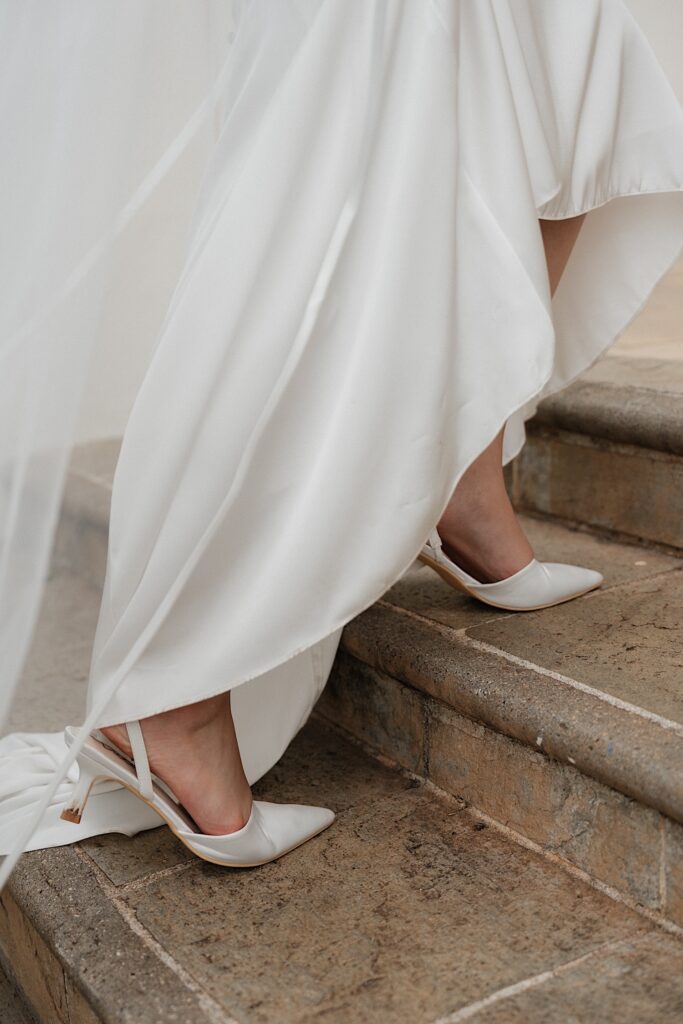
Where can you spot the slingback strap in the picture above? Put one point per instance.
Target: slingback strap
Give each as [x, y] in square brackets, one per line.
[140, 759]
[434, 541]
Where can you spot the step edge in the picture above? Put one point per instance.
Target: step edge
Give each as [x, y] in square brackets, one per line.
[624, 414]
[370, 639]
[46, 871]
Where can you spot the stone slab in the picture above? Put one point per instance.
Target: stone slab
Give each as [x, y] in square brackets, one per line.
[673, 871]
[80, 546]
[649, 417]
[75, 955]
[124, 860]
[51, 693]
[607, 451]
[619, 488]
[403, 910]
[634, 755]
[626, 642]
[612, 838]
[13, 1010]
[96, 460]
[658, 374]
[634, 983]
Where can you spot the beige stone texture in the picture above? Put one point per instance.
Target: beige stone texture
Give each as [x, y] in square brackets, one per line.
[81, 539]
[125, 860]
[636, 755]
[96, 461]
[621, 488]
[51, 693]
[12, 1007]
[34, 966]
[626, 642]
[649, 373]
[657, 331]
[673, 871]
[612, 838]
[76, 956]
[408, 908]
[404, 910]
[631, 983]
[388, 717]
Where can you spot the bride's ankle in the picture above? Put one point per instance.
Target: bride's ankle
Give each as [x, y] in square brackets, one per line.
[186, 725]
[192, 718]
[490, 545]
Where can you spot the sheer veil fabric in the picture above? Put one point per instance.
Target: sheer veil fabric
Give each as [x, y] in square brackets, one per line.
[362, 304]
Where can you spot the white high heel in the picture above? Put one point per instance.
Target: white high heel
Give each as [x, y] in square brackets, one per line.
[271, 831]
[538, 585]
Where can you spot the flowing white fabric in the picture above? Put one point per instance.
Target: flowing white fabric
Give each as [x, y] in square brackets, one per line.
[363, 304]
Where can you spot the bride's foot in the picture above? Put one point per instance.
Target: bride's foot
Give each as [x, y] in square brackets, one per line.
[194, 750]
[479, 530]
[480, 547]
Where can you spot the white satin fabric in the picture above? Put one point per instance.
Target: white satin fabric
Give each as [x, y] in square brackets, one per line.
[363, 304]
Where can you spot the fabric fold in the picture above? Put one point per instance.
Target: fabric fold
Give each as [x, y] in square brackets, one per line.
[363, 306]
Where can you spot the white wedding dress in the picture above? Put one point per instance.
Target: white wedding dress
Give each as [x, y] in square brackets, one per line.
[363, 304]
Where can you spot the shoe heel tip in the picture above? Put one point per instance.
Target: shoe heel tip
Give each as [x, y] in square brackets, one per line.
[73, 816]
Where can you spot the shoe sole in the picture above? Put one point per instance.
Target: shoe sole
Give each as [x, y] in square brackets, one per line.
[212, 860]
[458, 584]
[98, 754]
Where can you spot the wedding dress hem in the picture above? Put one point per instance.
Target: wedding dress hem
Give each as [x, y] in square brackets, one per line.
[540, 390]
[364, 305]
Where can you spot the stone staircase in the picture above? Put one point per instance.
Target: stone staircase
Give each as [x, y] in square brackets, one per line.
[607, 453]
[509, 788]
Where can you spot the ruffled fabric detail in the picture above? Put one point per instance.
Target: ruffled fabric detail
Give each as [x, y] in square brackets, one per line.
[28, 766]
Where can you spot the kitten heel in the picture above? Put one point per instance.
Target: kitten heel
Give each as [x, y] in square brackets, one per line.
[88, 774]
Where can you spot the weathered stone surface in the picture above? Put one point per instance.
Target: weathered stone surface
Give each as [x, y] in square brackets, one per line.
[96, 460]
[81, 540]
[618, 562]
[12, 1008]
[35, 969]
[422, 591]
[673, 871]
[383, 714]
[52, 691]
[616, 487]
[76, 957]
[633, 755]
[403, 910]
[622, 409]
[124, 860]
[607, 451]
[665, 376]
[628, 643]
[635, 983]
[612, 838]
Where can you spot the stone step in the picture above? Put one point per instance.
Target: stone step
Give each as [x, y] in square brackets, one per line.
[579, 707]
[411, 907]
[563, 726]
[80, 546]
[608, 452]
